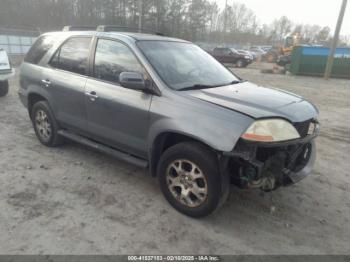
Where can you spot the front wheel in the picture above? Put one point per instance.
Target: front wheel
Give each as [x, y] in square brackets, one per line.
[189, 178]
[4, 88]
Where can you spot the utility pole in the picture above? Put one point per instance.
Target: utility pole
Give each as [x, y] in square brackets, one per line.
[140, 15]
[225, 16]
[225, 21]
[329, 65]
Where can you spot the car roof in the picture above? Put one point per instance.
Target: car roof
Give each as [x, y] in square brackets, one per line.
[118, 35]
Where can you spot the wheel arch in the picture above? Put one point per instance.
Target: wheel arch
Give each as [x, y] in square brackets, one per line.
[165, 140]
[34, 98]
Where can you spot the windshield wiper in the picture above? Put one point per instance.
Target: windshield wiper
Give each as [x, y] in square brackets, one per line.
[237, 82]
[201, 86]
[196, 87]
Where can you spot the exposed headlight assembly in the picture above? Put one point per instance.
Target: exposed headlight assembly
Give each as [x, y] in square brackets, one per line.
[271, 130]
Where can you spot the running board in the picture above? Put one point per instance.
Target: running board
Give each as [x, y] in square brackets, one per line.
[104, 149]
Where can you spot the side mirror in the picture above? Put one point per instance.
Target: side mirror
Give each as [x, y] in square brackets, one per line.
[132, 80]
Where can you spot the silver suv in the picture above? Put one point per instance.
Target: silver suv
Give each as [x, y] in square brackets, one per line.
[165, 104]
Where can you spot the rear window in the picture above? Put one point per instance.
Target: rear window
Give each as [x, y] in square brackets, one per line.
[39, 49]
[73, 55]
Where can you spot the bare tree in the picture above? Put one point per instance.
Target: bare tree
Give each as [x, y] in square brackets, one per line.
[195, 20]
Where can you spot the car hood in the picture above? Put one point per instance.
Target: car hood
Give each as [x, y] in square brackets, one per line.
[258, 102]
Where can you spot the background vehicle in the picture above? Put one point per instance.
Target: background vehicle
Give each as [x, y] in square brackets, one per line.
[286, 49]
[257, 49]
[5, 72]
[251, 54]
[228, 55]
[168, 105]
[284, 60]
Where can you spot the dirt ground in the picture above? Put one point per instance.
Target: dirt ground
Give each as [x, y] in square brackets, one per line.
[73, 200]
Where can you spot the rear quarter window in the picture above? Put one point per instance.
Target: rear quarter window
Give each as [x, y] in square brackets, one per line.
[39, 49]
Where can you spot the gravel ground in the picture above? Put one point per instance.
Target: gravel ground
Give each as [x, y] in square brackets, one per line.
[73, 200]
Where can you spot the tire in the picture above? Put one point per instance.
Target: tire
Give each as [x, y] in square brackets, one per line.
[241, 63]
[205, 179]
[4, 88]
[45, 125]
[271, 58]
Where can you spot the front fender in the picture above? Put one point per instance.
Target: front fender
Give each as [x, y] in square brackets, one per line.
[217, 127]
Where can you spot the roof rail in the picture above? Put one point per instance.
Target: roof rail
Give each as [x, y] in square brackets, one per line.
[78, 28]
[115, 28]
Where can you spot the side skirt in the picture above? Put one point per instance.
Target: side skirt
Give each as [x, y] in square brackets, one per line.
[104, 149]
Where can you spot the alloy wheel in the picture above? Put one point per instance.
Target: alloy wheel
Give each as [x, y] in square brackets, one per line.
[187, 183]
[43, 125]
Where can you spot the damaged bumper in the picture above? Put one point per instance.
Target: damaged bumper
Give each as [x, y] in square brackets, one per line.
[270, 165]
[306, 170]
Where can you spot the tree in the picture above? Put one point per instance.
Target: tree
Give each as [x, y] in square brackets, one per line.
[195, 20]
[280, 29]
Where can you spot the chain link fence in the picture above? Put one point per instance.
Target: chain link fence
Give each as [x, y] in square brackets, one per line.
[17, 42]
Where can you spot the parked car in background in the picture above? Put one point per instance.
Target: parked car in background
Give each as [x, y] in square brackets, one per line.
[6, 72]
[166, 104]
[252, 55]
[227, 55]
[258, 50]
[266, 48]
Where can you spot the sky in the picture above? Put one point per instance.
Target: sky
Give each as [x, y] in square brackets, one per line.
[321, 12]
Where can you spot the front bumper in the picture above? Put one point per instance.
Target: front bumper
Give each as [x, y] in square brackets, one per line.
[307, 170]
[271, 165]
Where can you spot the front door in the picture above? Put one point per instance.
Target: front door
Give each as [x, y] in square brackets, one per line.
[116, 115]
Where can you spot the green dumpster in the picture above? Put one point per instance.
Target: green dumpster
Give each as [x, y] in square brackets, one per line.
[310, 60]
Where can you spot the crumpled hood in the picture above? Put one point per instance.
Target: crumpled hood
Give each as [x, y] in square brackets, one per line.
[258, 102]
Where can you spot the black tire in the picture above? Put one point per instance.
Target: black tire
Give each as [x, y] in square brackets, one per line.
[241, 63]
[4, 88]
[207, 162]
[53, 139]
[271, 57]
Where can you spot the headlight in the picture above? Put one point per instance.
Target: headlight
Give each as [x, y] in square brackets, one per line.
[247, 57]
[271, 130]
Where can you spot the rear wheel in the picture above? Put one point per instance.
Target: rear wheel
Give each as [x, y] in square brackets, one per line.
[271, 57]
[45, 124]
[189, 178]
[241, 63]
[4, 88]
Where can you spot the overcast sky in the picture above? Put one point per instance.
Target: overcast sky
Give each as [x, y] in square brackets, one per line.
[321, 12]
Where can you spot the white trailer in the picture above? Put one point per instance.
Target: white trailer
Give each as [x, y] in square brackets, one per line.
[6, 72]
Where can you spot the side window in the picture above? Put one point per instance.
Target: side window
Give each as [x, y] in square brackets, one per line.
[73, 55]
[226, 51]
[39, 49]
[112, 58]
[217, 51]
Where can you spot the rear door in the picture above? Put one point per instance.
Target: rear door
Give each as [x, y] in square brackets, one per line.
[219, 54]
[116, 115]
[65, 80]
[224, 55]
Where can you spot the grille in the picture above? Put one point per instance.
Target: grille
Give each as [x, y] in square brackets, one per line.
[303, 127]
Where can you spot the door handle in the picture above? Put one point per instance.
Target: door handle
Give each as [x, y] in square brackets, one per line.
[46, 82]
[92, 95]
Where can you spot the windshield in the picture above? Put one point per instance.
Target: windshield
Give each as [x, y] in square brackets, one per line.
[233, 50]
[183, 65]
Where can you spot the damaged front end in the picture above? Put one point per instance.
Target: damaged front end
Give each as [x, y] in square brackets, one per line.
[269, 165]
